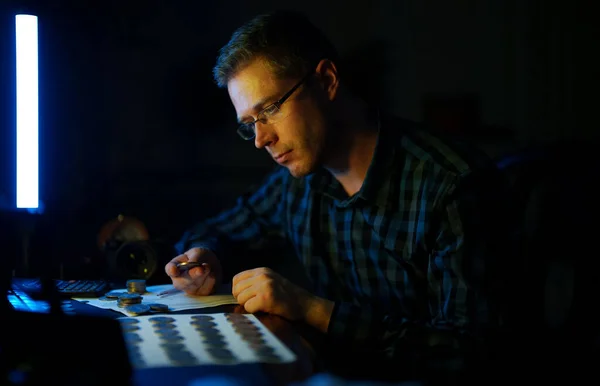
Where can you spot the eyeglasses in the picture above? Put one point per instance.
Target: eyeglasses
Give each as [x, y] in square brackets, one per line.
[270, 114]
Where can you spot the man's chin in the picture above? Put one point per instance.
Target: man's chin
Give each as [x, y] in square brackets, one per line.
[300, 172]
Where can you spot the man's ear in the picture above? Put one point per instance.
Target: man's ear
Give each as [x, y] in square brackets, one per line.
[328, 78]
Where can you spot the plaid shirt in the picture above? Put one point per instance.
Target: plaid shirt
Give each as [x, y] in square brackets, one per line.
[390, 257]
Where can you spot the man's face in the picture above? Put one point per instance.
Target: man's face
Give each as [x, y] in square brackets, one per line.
[296, 140]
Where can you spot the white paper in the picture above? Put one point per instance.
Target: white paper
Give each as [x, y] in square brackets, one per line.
[175, 300]
[148, 343]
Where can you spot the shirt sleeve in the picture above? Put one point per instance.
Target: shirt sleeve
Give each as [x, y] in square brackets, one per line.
[455, 307]
[255, 220]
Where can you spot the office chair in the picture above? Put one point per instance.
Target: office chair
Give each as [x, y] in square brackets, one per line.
[549, 258]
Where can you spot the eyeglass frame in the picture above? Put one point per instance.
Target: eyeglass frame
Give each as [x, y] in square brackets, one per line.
[277, 104]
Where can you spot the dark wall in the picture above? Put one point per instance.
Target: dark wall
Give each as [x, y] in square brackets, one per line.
[132, 123]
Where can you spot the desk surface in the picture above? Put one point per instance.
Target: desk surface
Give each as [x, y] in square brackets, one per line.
[245, 374]
[93, 346]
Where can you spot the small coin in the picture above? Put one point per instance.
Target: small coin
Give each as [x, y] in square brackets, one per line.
[129, 301]
[136, 282]
[184, 361]
[166, 332]
[180, 354]
[171, 338]
[135, 352]
[164, 326]
[114, 294]
[136, 286]
[246, 327]
[172, 346]
[254, 340]
[210, 333]
[138, 364]
[187, 265]
[202, 317]
[126, 297]
[239, 318]
[135, 355]
[132, 337]
[203, 324]
[237, 321]
[137, 309]
[248, 331]
[126, 304]
[214, 343]
[269, 358]
[162, 319]
[242, 324]
[130, 327]
[233, 316]
[214, 334]
[159, 307]
[221, 353]
[264, 350]
[128, 320]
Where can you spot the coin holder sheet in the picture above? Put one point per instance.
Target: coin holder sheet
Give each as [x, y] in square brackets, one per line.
[202, 339]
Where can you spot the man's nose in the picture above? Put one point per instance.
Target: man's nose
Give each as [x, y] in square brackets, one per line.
[264, 135]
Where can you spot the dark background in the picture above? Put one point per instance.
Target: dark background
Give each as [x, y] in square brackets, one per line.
[131, 122]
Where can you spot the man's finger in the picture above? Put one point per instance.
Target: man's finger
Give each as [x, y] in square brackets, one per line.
[208, 286]
[245, 275]
[171, 270]
[242, 285]
[199, 271]
[246, 295]
[171, 267]
[193, 254]
[191, 286]
[181, 284]
[254, 304]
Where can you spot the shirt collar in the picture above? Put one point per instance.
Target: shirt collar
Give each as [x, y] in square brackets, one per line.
[375, 186]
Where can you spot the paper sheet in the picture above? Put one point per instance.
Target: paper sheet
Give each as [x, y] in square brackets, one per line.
[175, 300]
[187, 340]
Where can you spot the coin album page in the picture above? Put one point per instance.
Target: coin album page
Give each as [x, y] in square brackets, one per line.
[208, 339]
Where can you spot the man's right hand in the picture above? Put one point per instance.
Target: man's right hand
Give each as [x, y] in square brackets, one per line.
[199, 280]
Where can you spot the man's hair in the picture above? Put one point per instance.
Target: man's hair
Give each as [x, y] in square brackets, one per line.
[288, 41]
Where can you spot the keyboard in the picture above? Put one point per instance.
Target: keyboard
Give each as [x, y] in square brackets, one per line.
[81, 288]
[21, 301]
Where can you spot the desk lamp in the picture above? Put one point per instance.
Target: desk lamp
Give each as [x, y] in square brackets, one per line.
[27, 127]
[46, 348]
[19, 198]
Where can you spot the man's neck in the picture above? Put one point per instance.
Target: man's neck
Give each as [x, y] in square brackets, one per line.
[352, 163]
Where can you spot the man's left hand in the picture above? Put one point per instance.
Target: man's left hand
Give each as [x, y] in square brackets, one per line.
[262, 289]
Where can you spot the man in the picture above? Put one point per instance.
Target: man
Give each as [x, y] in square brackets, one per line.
[367, 202]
